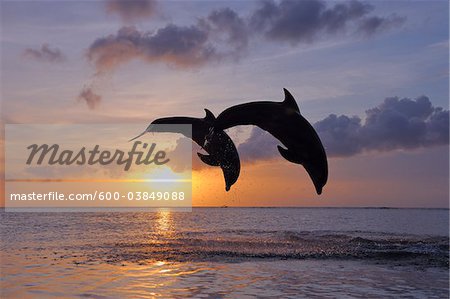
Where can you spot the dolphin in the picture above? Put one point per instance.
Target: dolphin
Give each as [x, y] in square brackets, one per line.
[221, 149]
[284, 121]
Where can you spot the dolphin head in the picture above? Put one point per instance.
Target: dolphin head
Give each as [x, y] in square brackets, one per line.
[317, 169]
[231, 173]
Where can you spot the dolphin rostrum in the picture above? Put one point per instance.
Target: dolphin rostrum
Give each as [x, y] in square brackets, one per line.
[284, 121]
[221, 149]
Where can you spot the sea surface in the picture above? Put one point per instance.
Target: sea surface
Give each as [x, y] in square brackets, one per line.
[227, 253]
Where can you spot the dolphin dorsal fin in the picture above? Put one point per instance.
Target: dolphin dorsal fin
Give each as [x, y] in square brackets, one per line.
[290, 101]
[209, 115]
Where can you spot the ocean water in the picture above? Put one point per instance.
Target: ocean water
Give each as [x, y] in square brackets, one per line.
[227, 253]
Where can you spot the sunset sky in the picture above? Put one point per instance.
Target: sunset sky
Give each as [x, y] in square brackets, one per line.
[372, 78]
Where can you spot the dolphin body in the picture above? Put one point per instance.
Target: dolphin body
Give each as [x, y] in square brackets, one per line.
[284, 121]
[221, 149]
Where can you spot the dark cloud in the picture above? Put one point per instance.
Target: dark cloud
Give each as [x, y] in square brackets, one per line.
[372, 25]
[303, 21]
[178, 162]
[223, 34]
[259, 146]
[131, 10]
[45, 53]
[226, 24]
[340, 134]
[395, 124]
[185, 146]
[175, 45]
[88, 96]
[219, 36]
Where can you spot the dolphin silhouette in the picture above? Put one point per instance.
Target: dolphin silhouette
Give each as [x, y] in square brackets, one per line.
[221, 149]
[284, 121]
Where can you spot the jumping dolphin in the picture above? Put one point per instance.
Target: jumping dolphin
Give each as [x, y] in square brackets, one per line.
[221, 149]
[284, 121]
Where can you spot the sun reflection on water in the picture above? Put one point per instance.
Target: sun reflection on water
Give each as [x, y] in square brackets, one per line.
[164, 222]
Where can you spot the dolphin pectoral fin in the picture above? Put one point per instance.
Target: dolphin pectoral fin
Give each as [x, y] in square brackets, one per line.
[208, 159]
[289, 101]
[288, 155]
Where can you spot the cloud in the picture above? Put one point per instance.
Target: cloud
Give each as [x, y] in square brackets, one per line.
[226, 24]
[340, 134]
[396, 124]
[175, 45]
[185, 146]
[44, 54]
[303, 21]
[219, 36]
[178, 162]
[259, 146]
[372, 25]
[224, 34]
[88, 96]
[131, 10]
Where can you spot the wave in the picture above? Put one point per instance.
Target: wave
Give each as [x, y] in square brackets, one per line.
[239, 245]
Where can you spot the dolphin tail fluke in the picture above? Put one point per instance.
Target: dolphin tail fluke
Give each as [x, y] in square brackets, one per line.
[137, 136]
[289, 101]
[208, 159]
